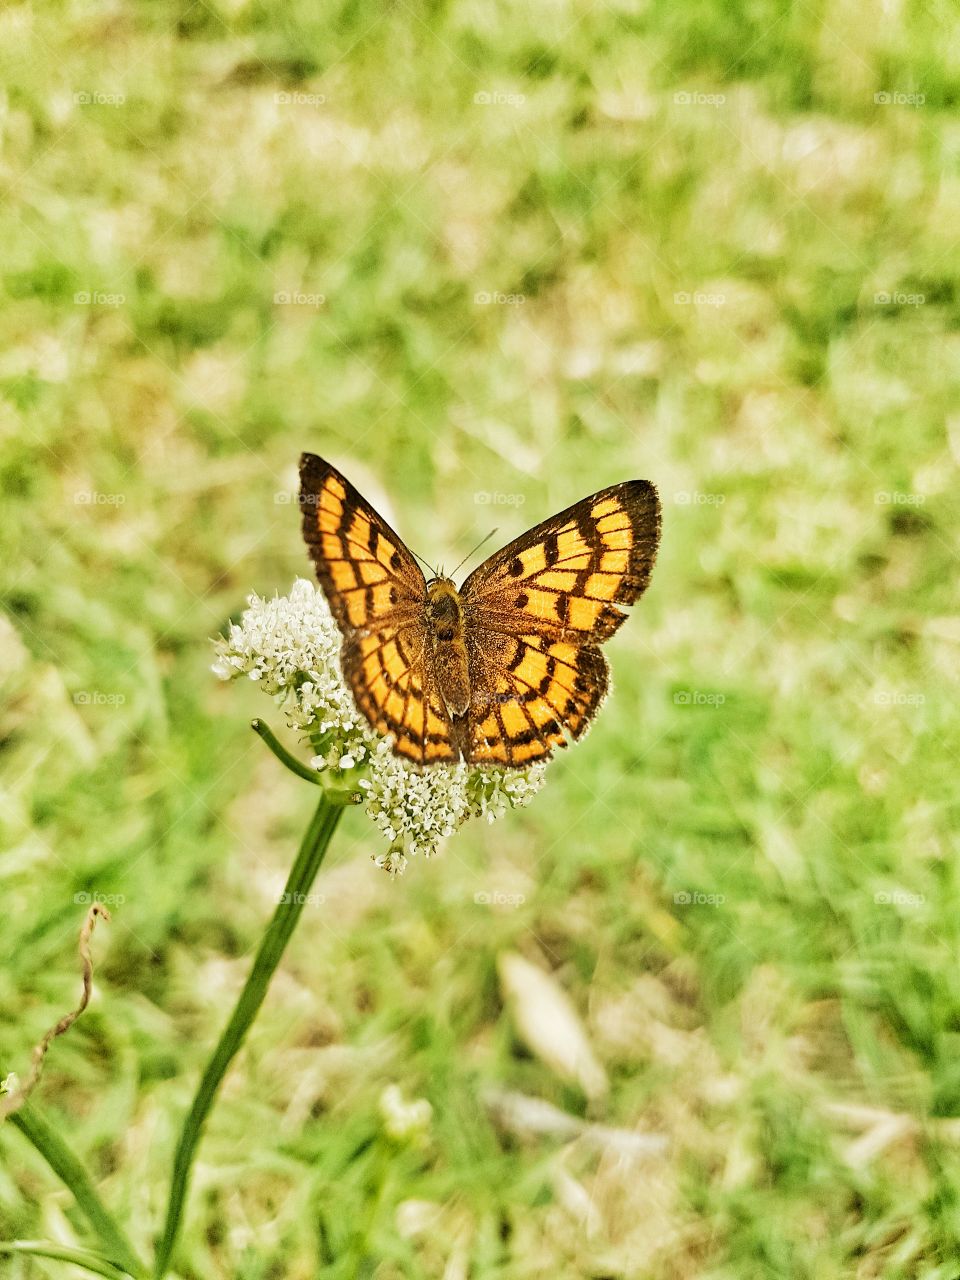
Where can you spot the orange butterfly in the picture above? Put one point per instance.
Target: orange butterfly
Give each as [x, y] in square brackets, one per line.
[500, 670]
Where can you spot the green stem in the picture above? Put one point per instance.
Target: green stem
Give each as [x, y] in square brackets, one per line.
[67, 1167]
[64, 1253]
[312, 850]
[283, 755]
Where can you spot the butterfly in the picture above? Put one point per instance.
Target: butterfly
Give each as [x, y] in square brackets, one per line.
[502, 669]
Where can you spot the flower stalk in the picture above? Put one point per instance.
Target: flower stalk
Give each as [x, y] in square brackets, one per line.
[309, 858]
[283, 755]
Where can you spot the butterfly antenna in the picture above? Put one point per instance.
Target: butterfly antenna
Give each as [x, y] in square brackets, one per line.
[425, 563]
[485, 538]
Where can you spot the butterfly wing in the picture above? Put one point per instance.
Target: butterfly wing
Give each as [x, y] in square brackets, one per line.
[537, 612]
[377, 593]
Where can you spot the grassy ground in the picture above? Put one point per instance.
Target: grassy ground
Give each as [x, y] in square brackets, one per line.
[489, 258]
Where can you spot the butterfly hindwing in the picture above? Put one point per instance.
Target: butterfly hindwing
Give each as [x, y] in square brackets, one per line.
[377, 593]
[390, 676]
[528, 693]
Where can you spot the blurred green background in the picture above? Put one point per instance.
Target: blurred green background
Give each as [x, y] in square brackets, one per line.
[488, 258]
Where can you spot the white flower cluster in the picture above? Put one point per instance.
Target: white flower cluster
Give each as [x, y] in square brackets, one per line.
[291, 647]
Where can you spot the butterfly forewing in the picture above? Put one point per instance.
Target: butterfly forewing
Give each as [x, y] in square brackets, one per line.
[377, 593]
[364, 568]
[569, 573]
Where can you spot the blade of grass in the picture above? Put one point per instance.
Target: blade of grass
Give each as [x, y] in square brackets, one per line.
[69, 1169]
[85, 1258]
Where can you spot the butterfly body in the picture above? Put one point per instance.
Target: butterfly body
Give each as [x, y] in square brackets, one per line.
[502, 669]
[445, 625]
